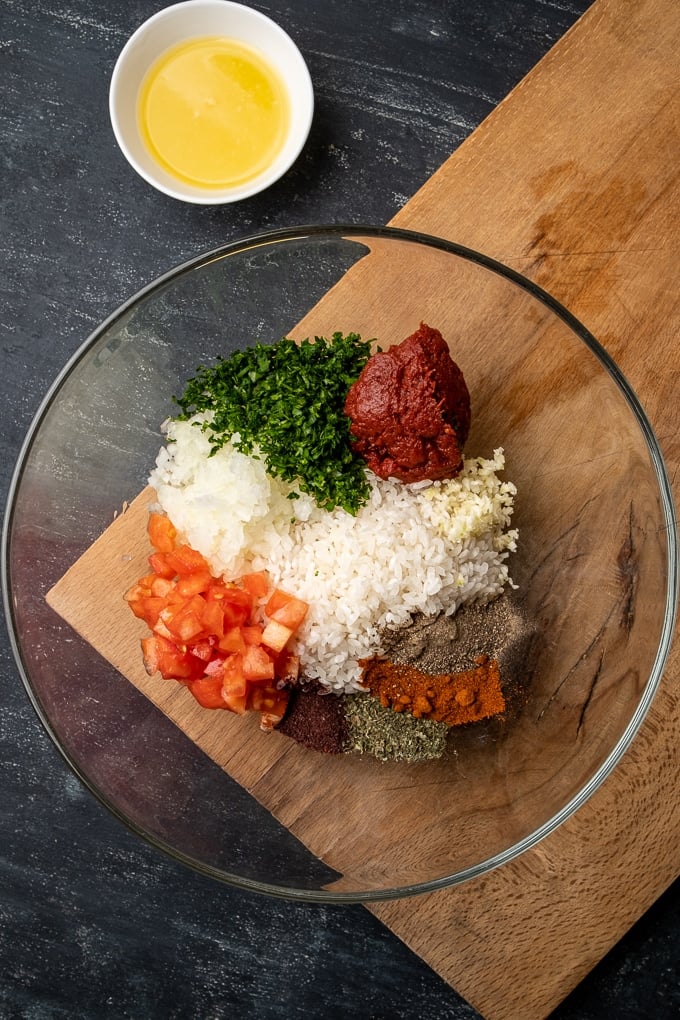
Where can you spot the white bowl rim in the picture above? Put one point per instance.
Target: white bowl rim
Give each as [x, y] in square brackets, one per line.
[298, 133]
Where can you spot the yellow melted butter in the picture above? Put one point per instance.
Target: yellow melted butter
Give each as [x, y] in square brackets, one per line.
[213, 113]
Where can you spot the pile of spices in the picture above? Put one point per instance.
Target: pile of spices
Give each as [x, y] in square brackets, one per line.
[390, 736]
[315, 720]
[437, 673]
[452, 698]
[450, 644]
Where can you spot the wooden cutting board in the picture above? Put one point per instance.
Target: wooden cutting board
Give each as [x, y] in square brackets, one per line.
[573, 180]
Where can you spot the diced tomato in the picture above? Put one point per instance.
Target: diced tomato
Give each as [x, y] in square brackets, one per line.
[197, 604]
[287, 667]
[139, 591]
[234, 683]
[232, 641]
[213, 619]
[238, 597]
[160, 628]
[276, 636]
[185, 560]
[137, 607]
[161, 587]
[150, 654]
[215, 667]
[185, 620]
[147, 580]
[235, 604]
[252, 634]
[150, 607]
[194, 583]
[186, 626]
[136, 592]
[271, 703]
[203, 649]
[277, 599]
[208, 691]
[207, 633]
[291, 613]
[162, 532]
[271, 718]
[235, 703]
[256, 584]
[178, 666]
[257, 665]
[159, 564]
[261, 699]
[238, 607]
[164, 657]
[234, 616]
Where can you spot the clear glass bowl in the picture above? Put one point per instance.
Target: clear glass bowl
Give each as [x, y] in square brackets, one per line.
[596, 568]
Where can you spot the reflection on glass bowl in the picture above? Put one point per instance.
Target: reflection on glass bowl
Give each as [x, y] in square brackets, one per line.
[596, 571]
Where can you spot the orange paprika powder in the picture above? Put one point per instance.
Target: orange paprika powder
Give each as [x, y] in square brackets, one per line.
[453, 698]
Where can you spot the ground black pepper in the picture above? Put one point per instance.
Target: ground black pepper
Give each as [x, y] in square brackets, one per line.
[451, 644]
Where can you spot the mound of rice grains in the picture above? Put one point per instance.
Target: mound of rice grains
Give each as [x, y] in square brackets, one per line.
[408, 632]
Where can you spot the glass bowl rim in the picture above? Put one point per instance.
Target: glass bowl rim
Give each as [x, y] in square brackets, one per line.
[356, 231]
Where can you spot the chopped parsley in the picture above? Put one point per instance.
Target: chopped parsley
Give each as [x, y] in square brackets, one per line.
[285, 402]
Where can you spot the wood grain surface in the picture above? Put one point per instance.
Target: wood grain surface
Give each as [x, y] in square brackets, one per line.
[573, 180]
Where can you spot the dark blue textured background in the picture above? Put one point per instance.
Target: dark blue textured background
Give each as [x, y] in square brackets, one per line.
[93, 923]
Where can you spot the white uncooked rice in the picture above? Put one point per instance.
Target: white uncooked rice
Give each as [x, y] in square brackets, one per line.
[411, 549]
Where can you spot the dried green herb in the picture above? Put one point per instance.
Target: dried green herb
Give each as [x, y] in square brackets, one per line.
[285, 401]
[391, 736]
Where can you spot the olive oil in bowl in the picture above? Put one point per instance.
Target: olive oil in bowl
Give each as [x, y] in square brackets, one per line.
[213, 113]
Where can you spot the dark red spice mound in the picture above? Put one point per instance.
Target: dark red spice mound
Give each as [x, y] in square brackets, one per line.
[315, 720]
[410, 410]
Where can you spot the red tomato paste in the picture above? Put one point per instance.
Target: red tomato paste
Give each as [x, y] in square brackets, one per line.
[410, 410]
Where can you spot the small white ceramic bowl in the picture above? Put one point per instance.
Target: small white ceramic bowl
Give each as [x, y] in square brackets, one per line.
[193, 19]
